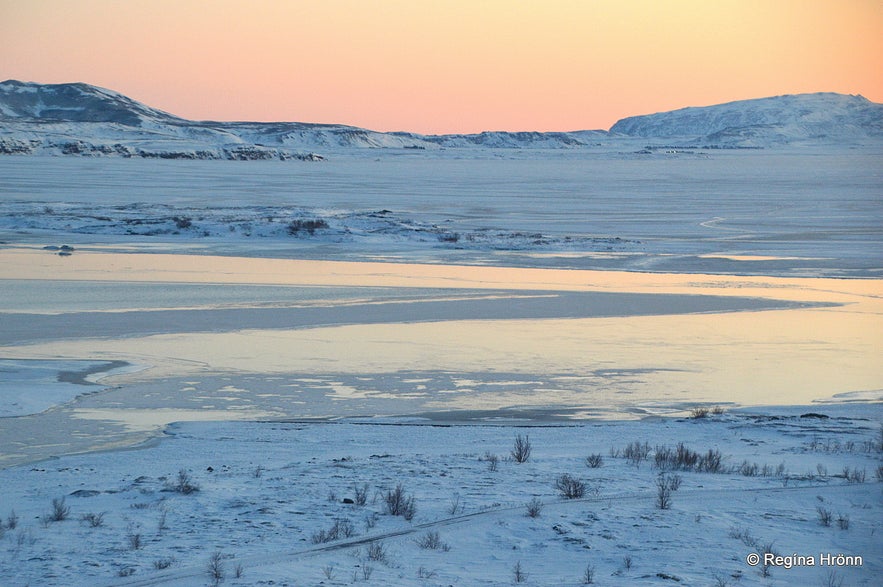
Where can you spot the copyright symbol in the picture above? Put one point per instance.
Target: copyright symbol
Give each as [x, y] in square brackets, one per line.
[753, 559]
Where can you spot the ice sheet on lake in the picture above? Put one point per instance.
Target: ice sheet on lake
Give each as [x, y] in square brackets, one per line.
[31, 386]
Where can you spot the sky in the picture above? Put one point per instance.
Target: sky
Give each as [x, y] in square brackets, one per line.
[446, 66]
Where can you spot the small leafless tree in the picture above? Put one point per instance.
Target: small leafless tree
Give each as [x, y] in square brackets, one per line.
[666, 485]
[521, 449]
[215, 568]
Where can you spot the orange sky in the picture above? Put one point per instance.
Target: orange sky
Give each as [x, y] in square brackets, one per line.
[448, 65]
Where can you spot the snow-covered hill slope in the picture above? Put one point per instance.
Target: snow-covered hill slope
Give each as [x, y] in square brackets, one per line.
[80, 119]
[822, 117]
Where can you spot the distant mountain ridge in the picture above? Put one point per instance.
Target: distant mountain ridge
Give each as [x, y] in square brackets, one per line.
[81, 119]
[780, 119]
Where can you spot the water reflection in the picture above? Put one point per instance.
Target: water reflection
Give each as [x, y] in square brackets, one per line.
[610, 366]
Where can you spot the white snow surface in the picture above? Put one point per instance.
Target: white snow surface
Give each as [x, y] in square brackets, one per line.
[265, 493]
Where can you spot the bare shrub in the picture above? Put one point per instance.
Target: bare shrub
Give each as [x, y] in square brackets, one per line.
[635, 453]
[424, 573]
[163, 563]
[360, 492]
[183, 484]
[12, 520]
[60, 511]
[589, 575]
[367, 571]
[342, 528]
[627, 562]
[666, 485]
[238, 570]
[534, 508]
[857, 476]
[432, 541]
[345, 528]
[825, 516]
[717, 411]
[258, 472]
[699, 412]
[161, 522]
[748, 469]
[93, 520]
[518, 574]
[743, 534]
[521, 449]
[711, 462]
[399, 503]
[376, 552]
[215, 568]
[682, 458]
[570, 487]
[832, 579]
[492, 460]
[843, 521]
[593, 461]
[328, 571]
[454, 506]
[133, 538]
[879, 473]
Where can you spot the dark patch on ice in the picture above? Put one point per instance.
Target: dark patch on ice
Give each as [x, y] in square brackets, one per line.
[79, 377]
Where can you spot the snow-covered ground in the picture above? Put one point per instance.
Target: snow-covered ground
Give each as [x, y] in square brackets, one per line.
[269, 496]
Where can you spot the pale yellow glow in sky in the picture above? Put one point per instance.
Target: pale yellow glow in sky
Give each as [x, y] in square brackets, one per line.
[446, 66]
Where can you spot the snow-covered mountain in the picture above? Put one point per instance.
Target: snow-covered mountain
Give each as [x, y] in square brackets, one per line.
[822, 117]
[81, 119]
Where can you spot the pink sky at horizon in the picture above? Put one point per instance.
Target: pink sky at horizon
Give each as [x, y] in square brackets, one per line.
[448, 66]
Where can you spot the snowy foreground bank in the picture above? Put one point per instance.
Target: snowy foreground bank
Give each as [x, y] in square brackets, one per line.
[269, 504]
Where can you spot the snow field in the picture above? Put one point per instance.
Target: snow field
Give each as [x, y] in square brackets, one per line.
[267, 492]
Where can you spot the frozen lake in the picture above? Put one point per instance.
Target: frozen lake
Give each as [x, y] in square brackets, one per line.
[800, 212]
[592, 286]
